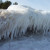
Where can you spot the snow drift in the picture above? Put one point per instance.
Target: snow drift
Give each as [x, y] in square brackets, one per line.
[18, 21]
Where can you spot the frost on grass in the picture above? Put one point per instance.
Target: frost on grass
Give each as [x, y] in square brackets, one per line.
[18, 21]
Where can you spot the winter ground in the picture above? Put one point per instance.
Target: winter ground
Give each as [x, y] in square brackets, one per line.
[27, 44]
[24, 28]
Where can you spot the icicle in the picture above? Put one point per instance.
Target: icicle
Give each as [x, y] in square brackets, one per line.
[23, 20]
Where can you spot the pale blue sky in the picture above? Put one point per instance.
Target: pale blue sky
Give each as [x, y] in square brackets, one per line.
[36, 4]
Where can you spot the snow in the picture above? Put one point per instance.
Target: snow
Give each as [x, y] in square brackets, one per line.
[17, 8]
[22, 21]
[27, 44]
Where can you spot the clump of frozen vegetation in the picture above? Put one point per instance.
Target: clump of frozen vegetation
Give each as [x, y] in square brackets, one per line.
[18, 21]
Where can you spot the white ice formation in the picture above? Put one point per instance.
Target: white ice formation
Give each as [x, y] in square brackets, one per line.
[19, 21]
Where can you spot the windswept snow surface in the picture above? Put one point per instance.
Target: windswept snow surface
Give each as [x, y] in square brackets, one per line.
[27, 44]
[22, 21]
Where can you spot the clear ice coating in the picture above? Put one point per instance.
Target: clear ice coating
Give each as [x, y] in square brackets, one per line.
[19, 21]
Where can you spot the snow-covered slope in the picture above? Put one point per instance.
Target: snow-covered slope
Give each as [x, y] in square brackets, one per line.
[18, 21]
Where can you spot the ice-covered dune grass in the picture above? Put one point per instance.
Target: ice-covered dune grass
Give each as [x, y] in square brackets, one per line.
[18, 21]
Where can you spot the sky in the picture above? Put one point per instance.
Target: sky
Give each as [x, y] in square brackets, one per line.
[36, 4]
